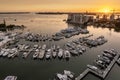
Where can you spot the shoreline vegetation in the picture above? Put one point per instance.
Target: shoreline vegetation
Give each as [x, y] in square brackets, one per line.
[14, 12]
[60, 13]
[10, 27]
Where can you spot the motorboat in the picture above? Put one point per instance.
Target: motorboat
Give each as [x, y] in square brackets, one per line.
[41, 54]
[54, 53]
[35, 55]
[5, 53]
[48, 54]
[62, 76]
[24, 54]
[69, 74]
[94, 68]
[36, 46]
[67, 54]
[2, 52]
[11, 78]
[74, 52]
[60, 53]
[44, 47]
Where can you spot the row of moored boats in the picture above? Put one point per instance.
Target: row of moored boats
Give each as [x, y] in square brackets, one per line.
[103, 61]
[90, 42]
[53, 52]
[66, 33]
[39, 52]
[10, 53]
[69, 32]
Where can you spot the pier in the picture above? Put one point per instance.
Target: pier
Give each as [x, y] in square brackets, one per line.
[103, 75]
[81, 76]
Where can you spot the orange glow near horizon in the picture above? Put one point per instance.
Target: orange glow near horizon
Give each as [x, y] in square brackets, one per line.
[106, 10]
[59, 5]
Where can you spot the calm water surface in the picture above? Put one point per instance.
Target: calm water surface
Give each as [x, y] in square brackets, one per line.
[30, 69]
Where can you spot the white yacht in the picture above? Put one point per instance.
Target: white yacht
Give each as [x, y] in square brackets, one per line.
[60, 53]
[62, 77]
[11, 78]
[5, 53]
[24, 54]
[54, 53]
[69, 74]
[2, 52]
[41, 54]
[48, 54]
[67, 54]
[35, 55]
[44, 46]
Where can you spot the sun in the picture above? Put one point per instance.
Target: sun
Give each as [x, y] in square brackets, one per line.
[105, 10]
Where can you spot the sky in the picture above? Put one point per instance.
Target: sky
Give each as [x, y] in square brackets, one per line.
[58, 5]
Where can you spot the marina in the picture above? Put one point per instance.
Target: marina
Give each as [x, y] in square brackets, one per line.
[59, 40]
[72, 52]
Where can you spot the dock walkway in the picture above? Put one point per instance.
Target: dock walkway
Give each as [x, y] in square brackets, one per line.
[107, 70]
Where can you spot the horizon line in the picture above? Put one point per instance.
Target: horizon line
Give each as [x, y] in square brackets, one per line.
[54, 12]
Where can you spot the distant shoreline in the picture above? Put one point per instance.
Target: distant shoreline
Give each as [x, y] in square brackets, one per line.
[54, 13]
[14, 12]
[60, 13]
[51, 13]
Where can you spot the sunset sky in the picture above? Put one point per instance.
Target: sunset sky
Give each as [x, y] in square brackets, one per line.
[59, 5]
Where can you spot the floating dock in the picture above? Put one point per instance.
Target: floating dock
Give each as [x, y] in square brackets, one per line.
[81, 76]
[103, 75]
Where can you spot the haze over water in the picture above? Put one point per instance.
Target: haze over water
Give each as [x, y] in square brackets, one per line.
[29, 69]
